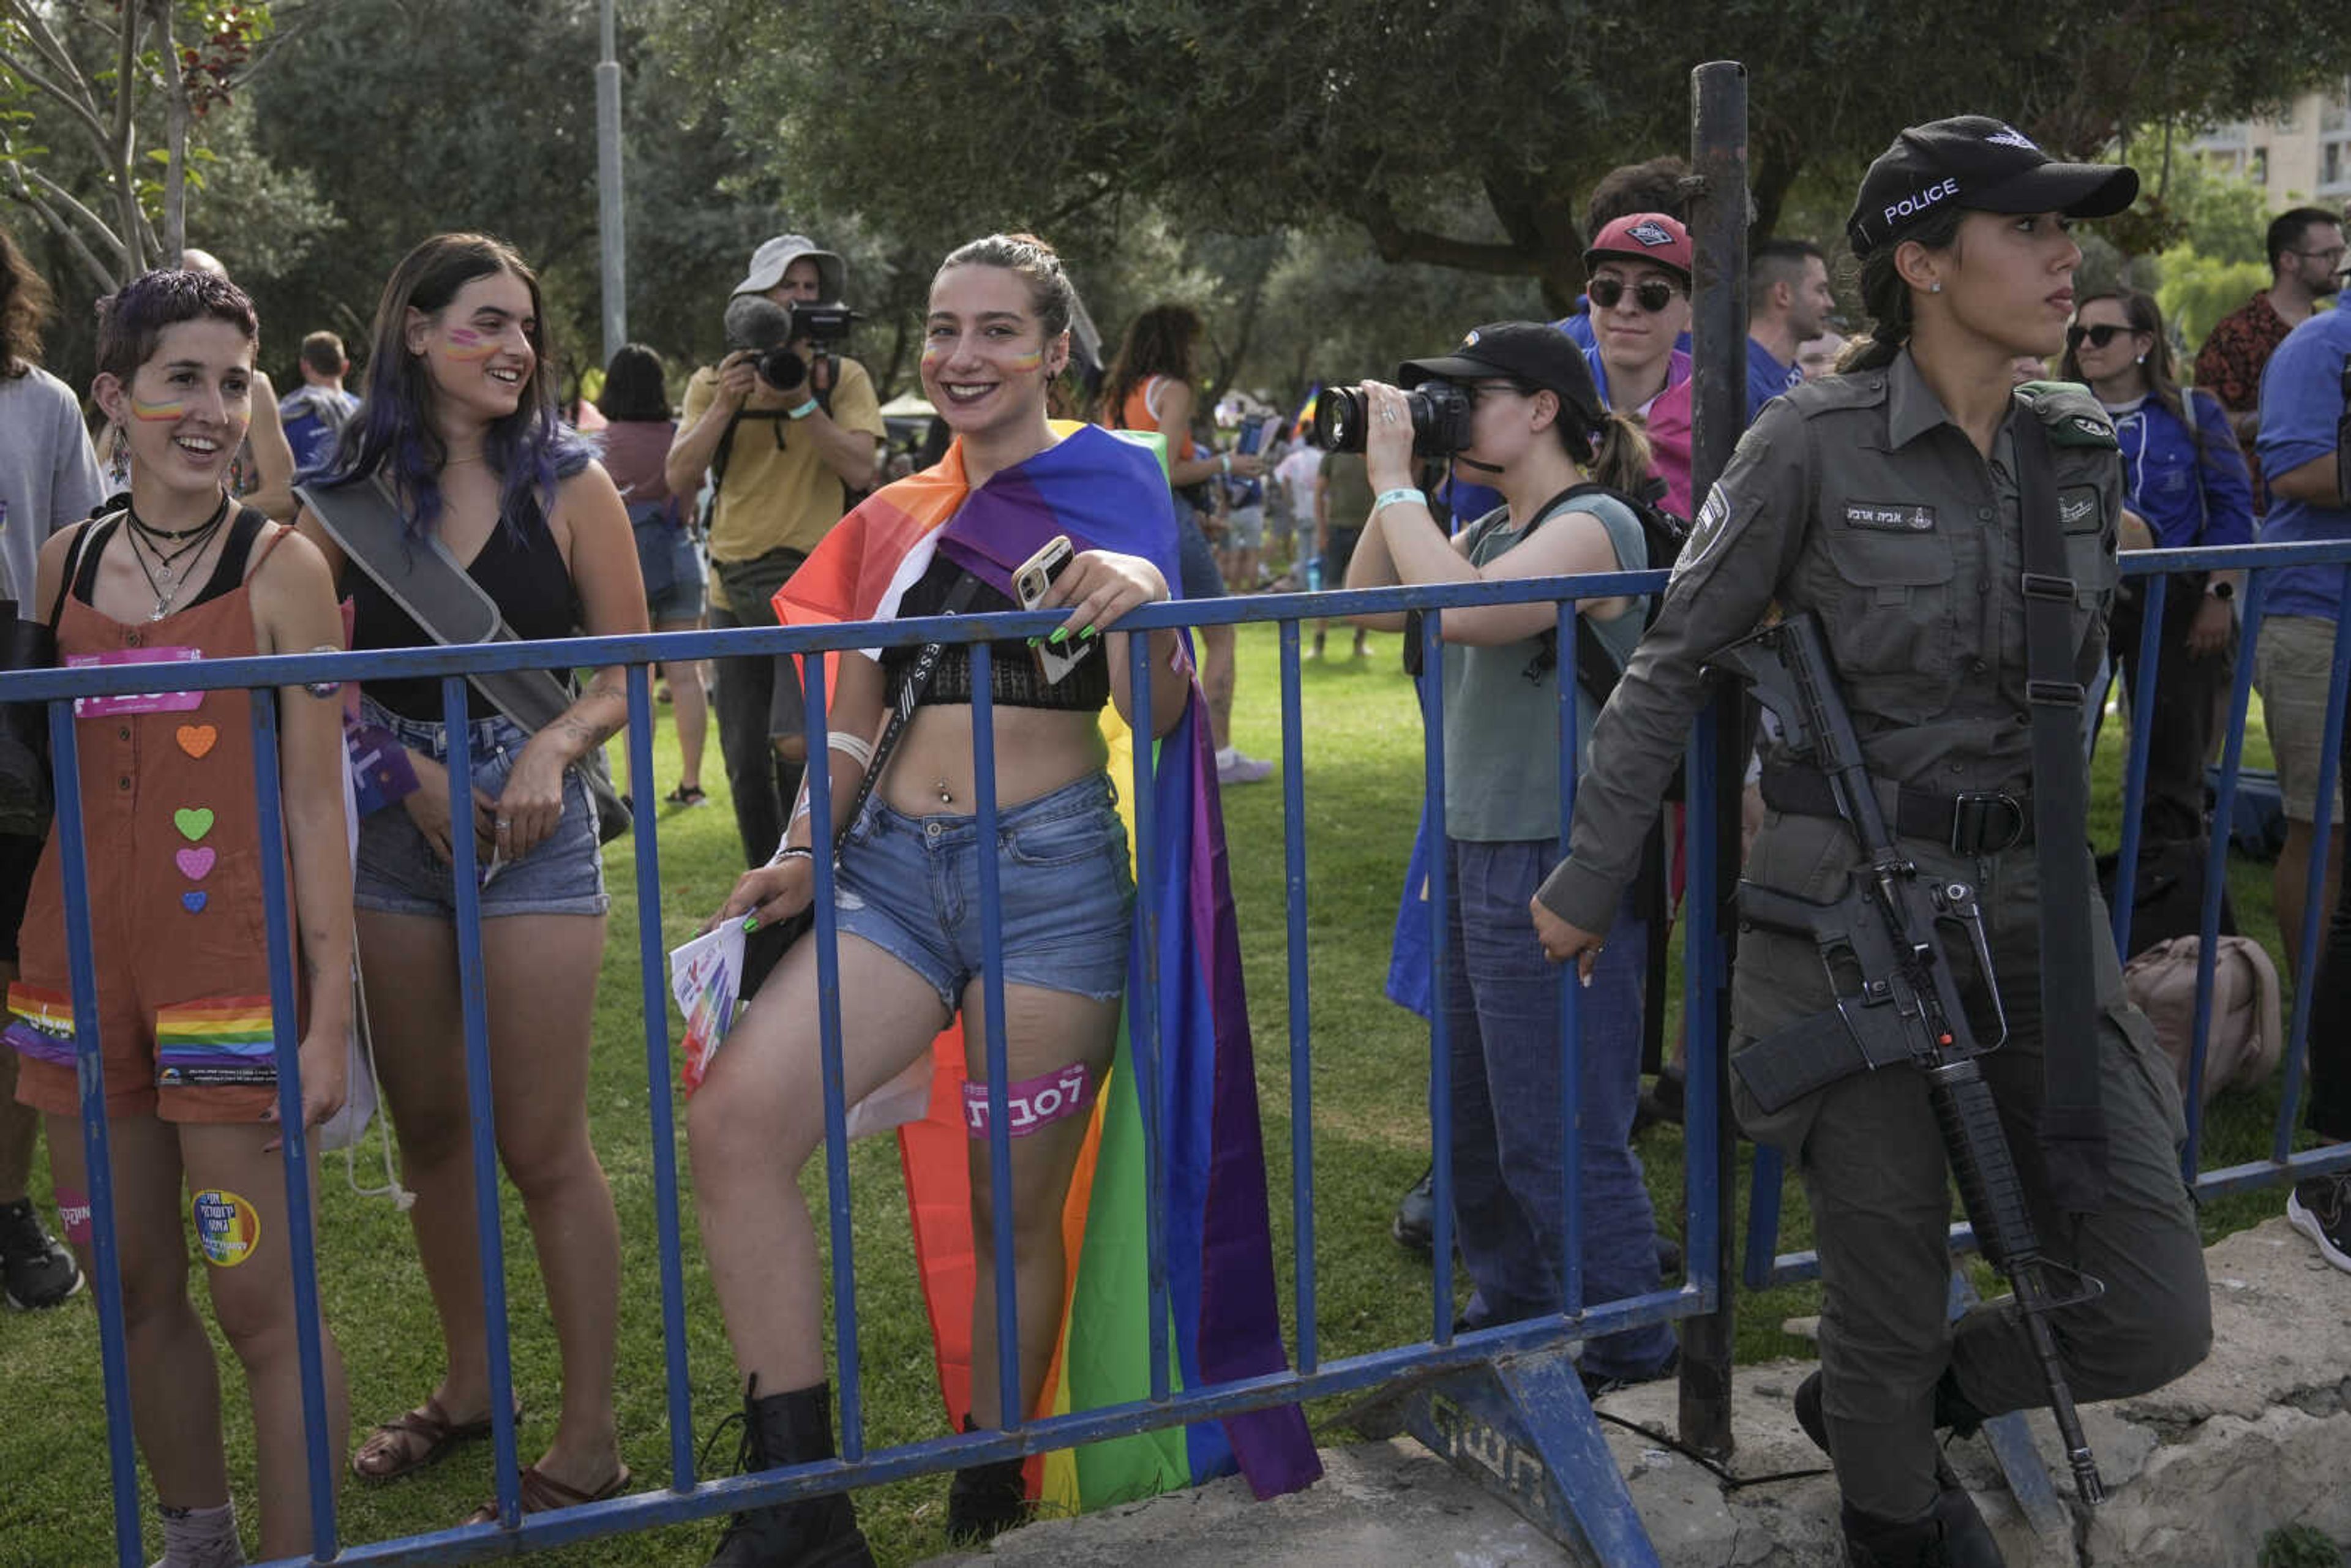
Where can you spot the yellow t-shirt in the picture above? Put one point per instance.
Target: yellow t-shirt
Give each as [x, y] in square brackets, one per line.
[779, 495]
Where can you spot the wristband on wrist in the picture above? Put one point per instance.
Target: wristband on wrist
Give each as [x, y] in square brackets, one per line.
[1403, 492]
[791, 853]
[802, 412]
[1224, 462]
[852, 746]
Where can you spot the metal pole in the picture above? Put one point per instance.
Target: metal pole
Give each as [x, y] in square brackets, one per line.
[1718, 218]
[609, 227]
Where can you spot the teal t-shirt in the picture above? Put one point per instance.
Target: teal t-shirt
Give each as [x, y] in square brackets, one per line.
[1501, 728]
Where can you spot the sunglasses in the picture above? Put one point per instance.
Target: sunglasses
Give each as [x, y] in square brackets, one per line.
[1652, 294]
[2098, 336]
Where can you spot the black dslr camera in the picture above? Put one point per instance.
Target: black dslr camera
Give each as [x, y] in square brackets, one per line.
[1440, 419]
[760, 325]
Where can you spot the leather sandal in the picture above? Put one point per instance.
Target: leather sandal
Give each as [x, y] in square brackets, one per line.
[429, 1423]
[542, 1494]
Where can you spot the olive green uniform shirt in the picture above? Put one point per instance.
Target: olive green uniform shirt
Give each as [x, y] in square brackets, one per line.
[1856, 498]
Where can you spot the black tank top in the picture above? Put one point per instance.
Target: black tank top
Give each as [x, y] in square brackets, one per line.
[518, 566]
[228, 568]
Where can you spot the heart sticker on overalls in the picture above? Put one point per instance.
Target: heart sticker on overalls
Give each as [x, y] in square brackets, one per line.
[194, 903]
[195, 864]
[192, 824]
[196, 739]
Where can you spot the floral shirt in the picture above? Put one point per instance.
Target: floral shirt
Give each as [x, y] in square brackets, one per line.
[2230, 365]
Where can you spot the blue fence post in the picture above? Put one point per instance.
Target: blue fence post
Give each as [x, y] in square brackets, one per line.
[1143, 1010]
[2216, 873]
[2314, 914]
[1570, 1039]
[294, 1138]
[824, 842]
[2142, 692]
[1441, 1037]
[1301, 1085]
[1011, 1409]
[654, 997]
[472, 991]
[89, 1075]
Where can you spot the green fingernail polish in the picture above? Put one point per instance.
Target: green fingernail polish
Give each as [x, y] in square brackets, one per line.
[1060, 634]
[750, 924]
[1034, 640]
[1088, 632]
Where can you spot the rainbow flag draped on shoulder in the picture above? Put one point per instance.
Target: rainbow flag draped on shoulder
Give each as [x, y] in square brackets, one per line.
[1105, 492]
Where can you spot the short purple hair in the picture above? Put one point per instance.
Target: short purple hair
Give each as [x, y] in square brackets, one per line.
[130, 321]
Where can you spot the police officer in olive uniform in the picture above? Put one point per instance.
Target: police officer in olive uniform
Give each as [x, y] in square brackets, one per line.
[1888, 501]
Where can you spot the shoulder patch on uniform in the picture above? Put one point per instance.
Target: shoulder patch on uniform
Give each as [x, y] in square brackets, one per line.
[1858, 389]
[2074, 417]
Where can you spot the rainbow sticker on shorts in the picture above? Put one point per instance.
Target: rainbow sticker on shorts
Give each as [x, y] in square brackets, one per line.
[40, 1025]
[218, 1040]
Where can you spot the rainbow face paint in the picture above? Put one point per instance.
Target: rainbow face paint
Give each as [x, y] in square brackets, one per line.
[468, 344]
[1021, 365]
[158, 413]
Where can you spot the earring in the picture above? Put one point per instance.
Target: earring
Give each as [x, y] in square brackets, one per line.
[2140, 360]
[1936, 287]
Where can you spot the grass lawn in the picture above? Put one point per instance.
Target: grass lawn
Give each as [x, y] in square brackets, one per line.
[1363, 765]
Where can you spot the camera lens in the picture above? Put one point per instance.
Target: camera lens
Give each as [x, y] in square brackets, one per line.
[781, 368]
[1338, 420]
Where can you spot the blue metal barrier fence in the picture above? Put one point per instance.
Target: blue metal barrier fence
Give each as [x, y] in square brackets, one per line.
[1600, 1515]
[1583, 1497]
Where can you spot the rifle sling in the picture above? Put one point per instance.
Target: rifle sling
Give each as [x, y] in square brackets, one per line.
[2073, 1125]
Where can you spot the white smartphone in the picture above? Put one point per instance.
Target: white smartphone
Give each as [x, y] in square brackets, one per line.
[1029, 584]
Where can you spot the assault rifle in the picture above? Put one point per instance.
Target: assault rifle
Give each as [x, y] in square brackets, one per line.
[1897, 1001]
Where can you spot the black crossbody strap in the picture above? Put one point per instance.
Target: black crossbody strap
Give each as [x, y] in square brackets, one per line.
[910, 696]
[2073, 1123]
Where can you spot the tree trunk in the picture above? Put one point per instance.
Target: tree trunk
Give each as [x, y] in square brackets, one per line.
[175, 123]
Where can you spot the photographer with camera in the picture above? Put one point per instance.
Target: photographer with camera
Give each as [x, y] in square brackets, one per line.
[1516, 405]
[787, 427]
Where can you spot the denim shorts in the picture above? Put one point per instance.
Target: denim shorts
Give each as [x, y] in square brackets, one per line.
[681, 600]
[909, 885]
[400, 874]
[1196, 563]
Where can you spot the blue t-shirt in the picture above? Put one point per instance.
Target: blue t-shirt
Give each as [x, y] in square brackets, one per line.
[1767, 378]
[2302, 400]
[2191, 490]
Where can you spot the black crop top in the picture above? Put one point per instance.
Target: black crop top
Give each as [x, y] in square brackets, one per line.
[520, 569]
[1015, 679]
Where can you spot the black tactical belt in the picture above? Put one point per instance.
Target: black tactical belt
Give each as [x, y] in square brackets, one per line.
[1979, 822]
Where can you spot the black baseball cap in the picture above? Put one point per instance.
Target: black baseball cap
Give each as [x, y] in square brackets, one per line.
[1534, 352]
[1985, 165]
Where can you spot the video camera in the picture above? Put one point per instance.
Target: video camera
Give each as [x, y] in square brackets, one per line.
[1440, 419]
[760, 326]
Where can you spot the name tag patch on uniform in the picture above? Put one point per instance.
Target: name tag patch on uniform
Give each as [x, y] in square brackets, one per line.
[1890, 516]
[2077, 511]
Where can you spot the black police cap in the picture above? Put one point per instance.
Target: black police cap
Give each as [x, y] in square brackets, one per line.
[1533, 352]
[1982, 164]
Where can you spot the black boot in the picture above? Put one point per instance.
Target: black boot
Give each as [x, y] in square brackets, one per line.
[781, 1429]
[1415, 1225]
[985, 1501]
[1951, 1534]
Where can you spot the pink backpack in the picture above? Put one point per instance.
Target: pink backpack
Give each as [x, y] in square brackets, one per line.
[2248, 1035]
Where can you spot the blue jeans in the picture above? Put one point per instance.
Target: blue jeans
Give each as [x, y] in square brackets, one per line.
[1509, 1172]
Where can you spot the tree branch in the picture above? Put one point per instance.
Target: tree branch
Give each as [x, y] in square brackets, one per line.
[1395, 242]
[25, 195]
[77, 98]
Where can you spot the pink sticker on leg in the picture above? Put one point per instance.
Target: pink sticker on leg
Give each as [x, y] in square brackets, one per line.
[73, 1213]
[1031, 1102]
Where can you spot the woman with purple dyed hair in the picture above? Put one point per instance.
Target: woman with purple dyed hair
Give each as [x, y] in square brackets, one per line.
[459, 428]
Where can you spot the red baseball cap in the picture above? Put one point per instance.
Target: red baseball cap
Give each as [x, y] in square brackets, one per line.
[1653, 237]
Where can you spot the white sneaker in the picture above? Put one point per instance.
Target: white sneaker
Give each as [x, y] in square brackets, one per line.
[2321, 1209]
[1232, 768]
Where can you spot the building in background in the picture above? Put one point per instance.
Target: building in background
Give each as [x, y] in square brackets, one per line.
[2301, 155]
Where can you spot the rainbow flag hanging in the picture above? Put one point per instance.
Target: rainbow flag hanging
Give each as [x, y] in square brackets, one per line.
[1303, 420]
[1104, 493]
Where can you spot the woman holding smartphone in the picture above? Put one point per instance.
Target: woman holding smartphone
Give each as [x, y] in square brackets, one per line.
[908, 913]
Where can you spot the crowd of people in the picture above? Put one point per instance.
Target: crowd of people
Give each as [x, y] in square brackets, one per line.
[1889, 485]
